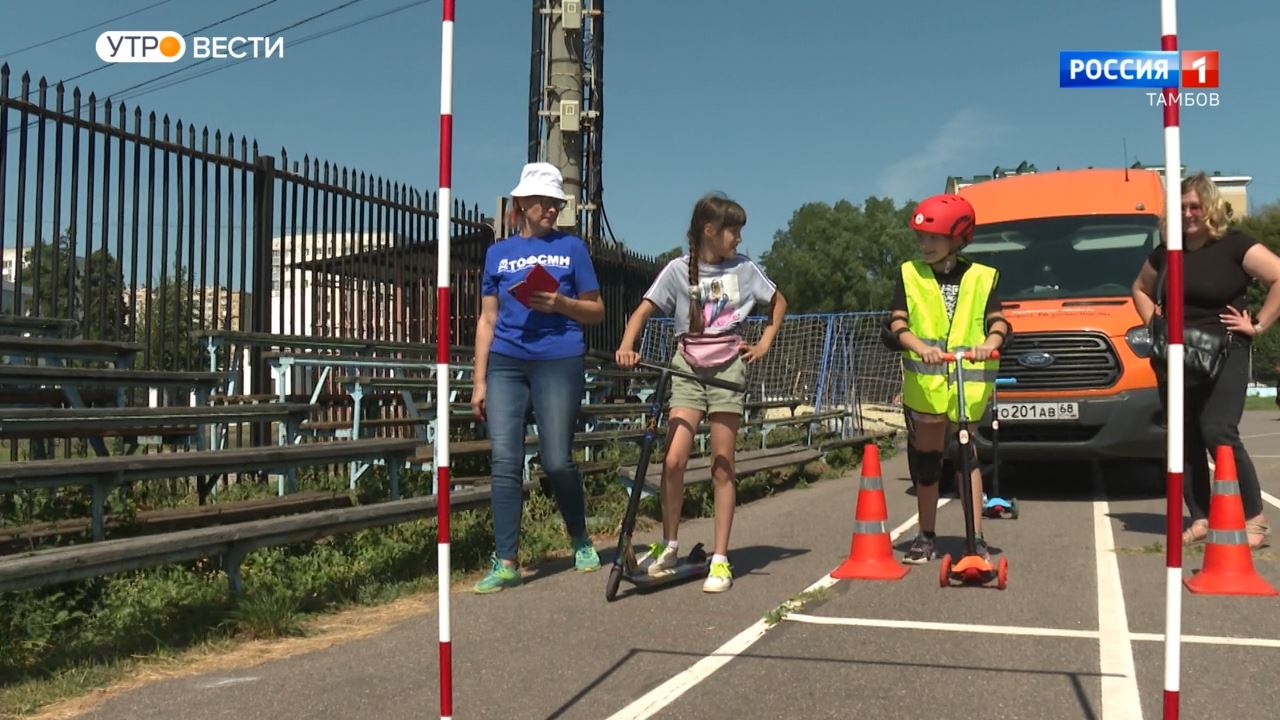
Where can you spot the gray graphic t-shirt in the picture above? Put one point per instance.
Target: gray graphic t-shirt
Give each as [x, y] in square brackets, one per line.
[729, 292]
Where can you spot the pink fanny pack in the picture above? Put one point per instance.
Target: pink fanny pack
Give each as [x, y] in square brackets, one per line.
[705, 351]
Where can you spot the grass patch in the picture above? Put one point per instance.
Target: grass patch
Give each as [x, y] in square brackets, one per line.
[1155, 548]
[1259, 403]
[21, 698]
[1196, 551]
[795, 603]
[59, 642]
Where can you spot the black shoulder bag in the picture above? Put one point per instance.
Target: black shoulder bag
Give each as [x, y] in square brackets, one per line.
[1204, 353]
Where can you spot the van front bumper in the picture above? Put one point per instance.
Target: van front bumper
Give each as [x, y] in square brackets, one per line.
[1125, 425]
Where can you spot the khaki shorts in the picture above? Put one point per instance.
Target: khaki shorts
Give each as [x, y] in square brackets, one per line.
[686, 393]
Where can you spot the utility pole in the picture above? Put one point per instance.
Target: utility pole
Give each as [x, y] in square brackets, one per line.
[566, 105]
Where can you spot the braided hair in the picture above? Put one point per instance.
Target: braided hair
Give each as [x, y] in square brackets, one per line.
[718, 211]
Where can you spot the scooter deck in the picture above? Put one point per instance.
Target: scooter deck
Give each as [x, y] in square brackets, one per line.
[973, 570]
[696, 564]
[684, 570]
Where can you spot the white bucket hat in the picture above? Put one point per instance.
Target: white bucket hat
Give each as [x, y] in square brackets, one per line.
[540, 178]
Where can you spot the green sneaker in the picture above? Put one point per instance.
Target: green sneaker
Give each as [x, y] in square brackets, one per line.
[719, 579]
[500, 578]
[585, 558]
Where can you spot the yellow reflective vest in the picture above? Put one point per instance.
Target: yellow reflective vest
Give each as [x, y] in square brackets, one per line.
[932, 388]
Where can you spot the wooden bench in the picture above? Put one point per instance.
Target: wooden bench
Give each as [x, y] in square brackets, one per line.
[255, 342]
[230, 542]
[27, 376]
[135, 421]
[748, 462]
[53, 398]
[810, 421]
[217, 338]
[425, 454]
[827, 445]
[151, 522]
[39, 326]
[101, 474]
[429, 383]
[56, 351]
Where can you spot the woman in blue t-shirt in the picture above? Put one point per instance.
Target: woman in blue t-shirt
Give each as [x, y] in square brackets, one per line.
[532, 355]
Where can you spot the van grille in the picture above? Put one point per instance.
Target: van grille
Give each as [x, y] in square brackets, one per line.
[1080, 361]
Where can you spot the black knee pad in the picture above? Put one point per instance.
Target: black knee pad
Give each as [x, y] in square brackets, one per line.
[969, 449]
[925, 467]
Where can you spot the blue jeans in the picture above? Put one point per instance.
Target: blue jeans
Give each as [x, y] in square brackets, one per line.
[554, 387]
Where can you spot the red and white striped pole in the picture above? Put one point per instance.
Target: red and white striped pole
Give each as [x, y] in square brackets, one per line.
[1173, 310]
[444, 208]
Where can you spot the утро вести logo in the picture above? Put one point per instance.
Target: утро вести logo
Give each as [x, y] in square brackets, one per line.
[166, 46]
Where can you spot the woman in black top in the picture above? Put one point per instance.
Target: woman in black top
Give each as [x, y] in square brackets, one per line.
[1220, 264]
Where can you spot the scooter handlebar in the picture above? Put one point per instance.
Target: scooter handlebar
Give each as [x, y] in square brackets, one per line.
[714, 382]
[951, 357]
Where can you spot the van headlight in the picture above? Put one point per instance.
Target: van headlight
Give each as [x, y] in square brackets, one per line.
[1139, 339]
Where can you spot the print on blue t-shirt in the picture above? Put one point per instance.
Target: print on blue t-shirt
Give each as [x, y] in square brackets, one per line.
[523, 332]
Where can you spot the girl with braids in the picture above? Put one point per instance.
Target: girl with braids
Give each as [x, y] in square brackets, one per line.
[709, 292]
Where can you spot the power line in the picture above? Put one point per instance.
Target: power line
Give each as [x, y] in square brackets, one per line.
[277, 31]
[188, 34]
[11, 53]
[292, 44]
[103, 102]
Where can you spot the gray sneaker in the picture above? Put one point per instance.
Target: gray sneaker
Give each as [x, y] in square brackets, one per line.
[920, 552]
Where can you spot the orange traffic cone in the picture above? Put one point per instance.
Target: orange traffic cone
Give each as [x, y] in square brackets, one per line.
[1228, 564]
[870, 553]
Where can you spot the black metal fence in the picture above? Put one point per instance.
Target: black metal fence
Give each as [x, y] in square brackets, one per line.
[146, 229]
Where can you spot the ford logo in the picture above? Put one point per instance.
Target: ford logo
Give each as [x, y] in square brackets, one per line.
[1035, 359]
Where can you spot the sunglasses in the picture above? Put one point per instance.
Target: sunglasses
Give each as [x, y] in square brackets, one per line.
[545, 202]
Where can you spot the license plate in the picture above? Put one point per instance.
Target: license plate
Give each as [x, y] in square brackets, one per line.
[1035, 411]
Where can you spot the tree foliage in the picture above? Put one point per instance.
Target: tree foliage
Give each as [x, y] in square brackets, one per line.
[167, 321]
[842, 257]
[89, 289]
[663, 258]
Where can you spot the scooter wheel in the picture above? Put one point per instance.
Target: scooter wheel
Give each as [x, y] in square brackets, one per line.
[944, 571]
[1002, 573]
[615, 579]
[1013, 509]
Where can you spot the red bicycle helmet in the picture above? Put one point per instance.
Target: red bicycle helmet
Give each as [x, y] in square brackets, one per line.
[949, 215]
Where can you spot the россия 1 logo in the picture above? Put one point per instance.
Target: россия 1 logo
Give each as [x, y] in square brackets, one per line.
[166, 46]
[1144, 69]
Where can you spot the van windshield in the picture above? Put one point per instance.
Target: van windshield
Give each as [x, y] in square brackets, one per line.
[1067, 257]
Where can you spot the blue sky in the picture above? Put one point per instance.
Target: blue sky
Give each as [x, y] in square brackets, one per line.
[775, 103]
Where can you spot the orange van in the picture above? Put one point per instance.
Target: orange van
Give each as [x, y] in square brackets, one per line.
[1068, 245]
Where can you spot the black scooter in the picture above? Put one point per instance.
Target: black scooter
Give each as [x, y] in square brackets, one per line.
[971, 568]
[997, 506]
[625, 566]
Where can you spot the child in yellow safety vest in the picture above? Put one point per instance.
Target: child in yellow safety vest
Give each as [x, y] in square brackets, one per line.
[943, 303]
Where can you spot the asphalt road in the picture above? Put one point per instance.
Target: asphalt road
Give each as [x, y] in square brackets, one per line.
[1077, 634]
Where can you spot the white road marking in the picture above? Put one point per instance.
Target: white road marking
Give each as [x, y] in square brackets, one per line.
[1119, 679]
[1211, 640]
[1271, 498]
[226, 682]
[660, 697]
[946, 627]
[1023, 630]
[1250, 437]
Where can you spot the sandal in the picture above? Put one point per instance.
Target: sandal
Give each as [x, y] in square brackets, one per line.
[1260, 528]
[1196, 534]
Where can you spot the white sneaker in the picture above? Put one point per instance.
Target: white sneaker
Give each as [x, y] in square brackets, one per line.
[719, 579]
[660, 559]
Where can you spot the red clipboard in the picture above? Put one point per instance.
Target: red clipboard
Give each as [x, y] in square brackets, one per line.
[538, 279]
